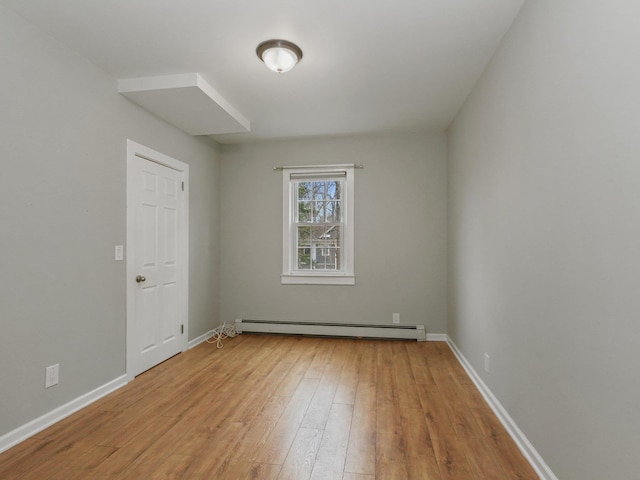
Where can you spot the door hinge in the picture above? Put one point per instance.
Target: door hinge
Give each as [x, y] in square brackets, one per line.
[181, 328]
[183, 186]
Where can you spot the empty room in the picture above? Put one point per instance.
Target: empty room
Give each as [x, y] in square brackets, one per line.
[299, 240]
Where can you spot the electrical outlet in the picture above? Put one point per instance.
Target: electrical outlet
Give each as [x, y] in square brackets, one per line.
[396, 318]
[52, 375]
[487, 358]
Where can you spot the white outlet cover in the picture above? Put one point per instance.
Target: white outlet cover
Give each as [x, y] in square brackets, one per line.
[52, 375]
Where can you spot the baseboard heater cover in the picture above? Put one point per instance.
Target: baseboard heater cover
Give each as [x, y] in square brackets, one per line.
[410, 332]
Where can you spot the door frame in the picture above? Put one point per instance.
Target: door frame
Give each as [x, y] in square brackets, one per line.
[137, 150]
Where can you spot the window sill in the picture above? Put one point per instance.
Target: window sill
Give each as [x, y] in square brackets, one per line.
[317, 279]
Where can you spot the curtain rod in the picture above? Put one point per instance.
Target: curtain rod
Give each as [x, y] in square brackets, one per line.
[290, 167]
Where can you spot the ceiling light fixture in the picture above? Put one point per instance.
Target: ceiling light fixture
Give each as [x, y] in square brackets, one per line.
[279, 55]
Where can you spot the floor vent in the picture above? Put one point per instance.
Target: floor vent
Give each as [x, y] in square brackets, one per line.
[356, 330]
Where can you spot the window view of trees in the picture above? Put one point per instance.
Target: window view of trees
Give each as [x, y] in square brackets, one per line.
[318, 224]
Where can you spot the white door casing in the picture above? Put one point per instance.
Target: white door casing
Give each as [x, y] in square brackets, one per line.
[157, 257]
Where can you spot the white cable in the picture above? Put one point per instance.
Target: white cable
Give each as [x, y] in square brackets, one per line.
[222, 332]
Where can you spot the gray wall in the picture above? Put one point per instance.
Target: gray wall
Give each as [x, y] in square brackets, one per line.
[63, 132]
[400, 232]
[544, 211]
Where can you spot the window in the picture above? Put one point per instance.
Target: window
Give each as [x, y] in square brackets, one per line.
[318, 225]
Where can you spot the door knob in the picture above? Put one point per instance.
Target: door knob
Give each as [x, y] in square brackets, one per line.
[140, 279]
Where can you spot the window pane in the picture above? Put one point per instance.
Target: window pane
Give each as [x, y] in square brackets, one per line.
[332, 235]
[332, 189]
[304, 211]
[305, 190]
[333, 211]
[318, 212]
[333, 256]
[304, 259]
[304, 236]
[318, 190]
[320, 260]
[317, 234]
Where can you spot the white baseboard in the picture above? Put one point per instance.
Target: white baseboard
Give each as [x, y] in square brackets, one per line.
[525, 446]
[29, 429]
[437, 337]
[198, 340]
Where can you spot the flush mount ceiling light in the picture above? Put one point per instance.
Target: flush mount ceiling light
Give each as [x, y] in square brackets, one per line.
[279, 55]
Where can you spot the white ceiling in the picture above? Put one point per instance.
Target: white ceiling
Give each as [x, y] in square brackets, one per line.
[368, 66]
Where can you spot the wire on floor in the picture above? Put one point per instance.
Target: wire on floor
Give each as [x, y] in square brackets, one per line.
[222, 332]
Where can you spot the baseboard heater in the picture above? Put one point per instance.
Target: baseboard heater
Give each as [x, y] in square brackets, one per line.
[410, 332]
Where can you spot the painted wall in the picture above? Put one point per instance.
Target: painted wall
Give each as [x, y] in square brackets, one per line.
[63, 132]
[400, 232]
[544, 186]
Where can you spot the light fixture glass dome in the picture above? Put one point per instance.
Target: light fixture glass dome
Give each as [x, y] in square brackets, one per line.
[279, 55]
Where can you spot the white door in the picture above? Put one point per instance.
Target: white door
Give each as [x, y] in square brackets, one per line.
[156, 303]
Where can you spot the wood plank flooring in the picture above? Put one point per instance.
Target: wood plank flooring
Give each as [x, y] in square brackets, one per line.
[276, 407]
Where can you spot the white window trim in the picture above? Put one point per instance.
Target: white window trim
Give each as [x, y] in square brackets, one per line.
[290, 276]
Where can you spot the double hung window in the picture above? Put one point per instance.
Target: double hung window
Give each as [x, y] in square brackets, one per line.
[318, 225]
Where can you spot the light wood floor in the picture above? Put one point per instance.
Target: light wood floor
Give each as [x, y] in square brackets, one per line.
[272, 407]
